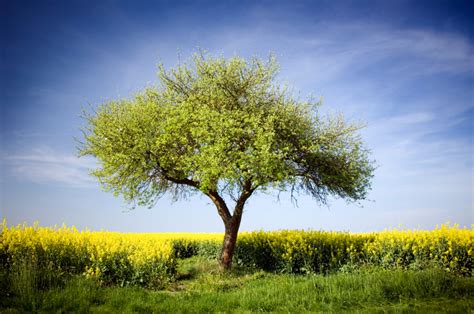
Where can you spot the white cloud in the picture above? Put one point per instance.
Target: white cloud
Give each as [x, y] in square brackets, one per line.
[44, 165]
[413, 118]
[328, 51]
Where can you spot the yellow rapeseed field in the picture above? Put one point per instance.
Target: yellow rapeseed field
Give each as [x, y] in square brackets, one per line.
[150, 258]
[108, 256]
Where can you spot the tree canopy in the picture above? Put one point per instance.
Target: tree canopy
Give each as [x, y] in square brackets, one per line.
[224, 127]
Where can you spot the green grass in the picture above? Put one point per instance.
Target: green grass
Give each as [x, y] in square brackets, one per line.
[201, 287]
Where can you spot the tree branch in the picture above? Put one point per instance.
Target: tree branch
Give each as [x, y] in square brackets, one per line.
[163, 172]
[185, 181]
[246, 193]
[221, 206]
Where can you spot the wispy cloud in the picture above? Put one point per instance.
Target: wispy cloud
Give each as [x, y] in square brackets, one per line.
[44, 165]
[413, 118]
[351, 50]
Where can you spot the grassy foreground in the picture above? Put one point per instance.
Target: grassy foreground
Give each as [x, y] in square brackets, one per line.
[201, 287]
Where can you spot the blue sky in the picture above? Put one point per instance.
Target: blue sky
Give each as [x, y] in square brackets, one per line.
[406, 68]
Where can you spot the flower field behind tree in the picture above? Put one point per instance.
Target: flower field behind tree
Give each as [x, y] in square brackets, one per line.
[448, 247]
[150, 259]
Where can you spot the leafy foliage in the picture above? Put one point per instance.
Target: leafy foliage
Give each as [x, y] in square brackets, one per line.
[223, 126]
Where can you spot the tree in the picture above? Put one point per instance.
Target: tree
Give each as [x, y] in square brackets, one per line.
[224, 128]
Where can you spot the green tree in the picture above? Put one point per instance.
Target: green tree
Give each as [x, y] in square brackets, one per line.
[224, 128]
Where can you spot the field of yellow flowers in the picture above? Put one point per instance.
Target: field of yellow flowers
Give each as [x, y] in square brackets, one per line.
[150, 259]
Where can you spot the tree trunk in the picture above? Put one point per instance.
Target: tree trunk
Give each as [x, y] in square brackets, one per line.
[230, 239]
[231, 222]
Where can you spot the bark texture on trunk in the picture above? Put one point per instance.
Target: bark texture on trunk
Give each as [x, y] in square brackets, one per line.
[230, 239]
[231, 222]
